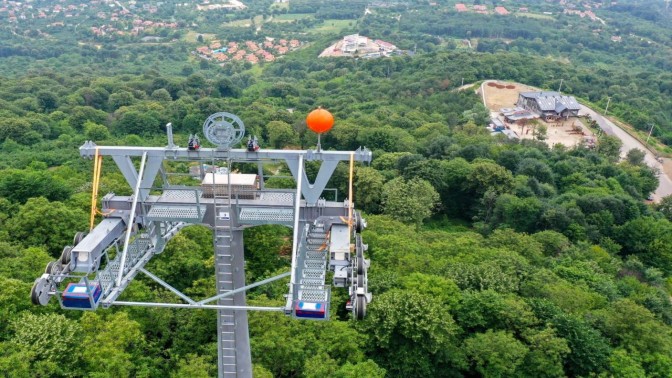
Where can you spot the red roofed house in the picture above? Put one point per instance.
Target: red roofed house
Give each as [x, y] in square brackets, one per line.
[501, 10]
[461, 7]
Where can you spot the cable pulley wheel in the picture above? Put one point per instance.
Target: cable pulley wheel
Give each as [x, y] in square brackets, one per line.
[360, 265]
[54, 267]
[359, 223]
[360, 307]
[49, 267]
[66, 255]
[39, 294]
[78, 237]
[360, 281]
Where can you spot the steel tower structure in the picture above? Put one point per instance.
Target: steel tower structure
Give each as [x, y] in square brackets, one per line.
[100, 264]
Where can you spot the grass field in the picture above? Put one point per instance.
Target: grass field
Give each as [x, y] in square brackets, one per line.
[280, 6]
[536, 15]
[332, 26]
[258, 20]
[290, 17]
[192, 36]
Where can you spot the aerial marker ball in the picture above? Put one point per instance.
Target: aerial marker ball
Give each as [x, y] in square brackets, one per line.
[320, 120]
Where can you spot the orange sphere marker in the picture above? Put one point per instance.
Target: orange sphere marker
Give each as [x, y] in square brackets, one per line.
[320, 120]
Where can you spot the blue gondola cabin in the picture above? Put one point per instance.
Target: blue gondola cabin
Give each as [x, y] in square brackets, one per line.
[77, 296]
[310, 310]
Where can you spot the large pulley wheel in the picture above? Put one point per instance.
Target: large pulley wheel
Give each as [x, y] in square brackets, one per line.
[54, 268]
[66, 255]
[78, 237]
[39, 294]
[360, 281]
[224, 130]
[360, 307]
[49, 267]
[360, 223]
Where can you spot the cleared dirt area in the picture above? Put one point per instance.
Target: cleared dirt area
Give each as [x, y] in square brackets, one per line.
[497, 98]
[503, 94]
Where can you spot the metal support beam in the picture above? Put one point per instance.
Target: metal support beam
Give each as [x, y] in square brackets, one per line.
[244, 288]
[197, 307]
[167, 286]
[129, 224]
[296, 232]
[312, 192]
[147, 178]
[127, 169]
[88, 150]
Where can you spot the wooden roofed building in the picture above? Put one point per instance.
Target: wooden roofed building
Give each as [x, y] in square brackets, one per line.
[549, 105]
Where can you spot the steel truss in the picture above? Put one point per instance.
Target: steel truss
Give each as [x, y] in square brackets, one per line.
[99, 266]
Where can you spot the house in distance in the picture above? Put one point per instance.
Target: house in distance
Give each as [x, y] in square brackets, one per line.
[549, 105]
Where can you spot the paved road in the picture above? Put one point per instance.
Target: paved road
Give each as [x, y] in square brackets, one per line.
[665, 186]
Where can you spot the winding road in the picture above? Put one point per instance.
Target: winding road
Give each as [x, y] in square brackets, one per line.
[609, 128]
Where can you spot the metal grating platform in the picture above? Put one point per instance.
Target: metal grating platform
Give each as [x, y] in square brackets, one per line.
[315, 264]
[318, 294]
[180, 196]
[168, 213]
[277, 197]
[256, 215]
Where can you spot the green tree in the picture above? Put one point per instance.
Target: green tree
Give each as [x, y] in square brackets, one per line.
[635, 156]
[547, 354]
[486, 175]
[111, 342]
[409, 201]
[34, 224]
[47, 101]
[495, 353]
[47, 338]
[610, 147]
[96, 132]
[281, 134]
[412, 335]
[119, 99]
[368, 188]
[194, 366]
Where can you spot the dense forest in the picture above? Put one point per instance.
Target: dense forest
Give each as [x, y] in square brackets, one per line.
[489, 257]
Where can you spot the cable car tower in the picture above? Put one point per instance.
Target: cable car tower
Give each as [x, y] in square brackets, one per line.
[95, 270]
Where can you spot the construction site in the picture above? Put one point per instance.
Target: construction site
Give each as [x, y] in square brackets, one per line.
[507, 116]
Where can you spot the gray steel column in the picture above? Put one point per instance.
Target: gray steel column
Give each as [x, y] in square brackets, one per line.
[243, 356]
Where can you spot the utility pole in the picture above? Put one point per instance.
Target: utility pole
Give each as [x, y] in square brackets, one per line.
[560, 87]
[607, 107]
[462, 82]
[650, 131]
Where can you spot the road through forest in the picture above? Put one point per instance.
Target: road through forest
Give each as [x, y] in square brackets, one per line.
[629, 142]
[665, 183]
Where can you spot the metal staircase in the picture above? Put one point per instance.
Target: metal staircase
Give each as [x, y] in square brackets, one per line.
[311, 291]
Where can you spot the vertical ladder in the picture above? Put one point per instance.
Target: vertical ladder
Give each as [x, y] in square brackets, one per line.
[223, 235]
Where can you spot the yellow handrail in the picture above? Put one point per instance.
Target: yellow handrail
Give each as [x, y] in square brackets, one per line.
[97, 169]
[351, 204]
